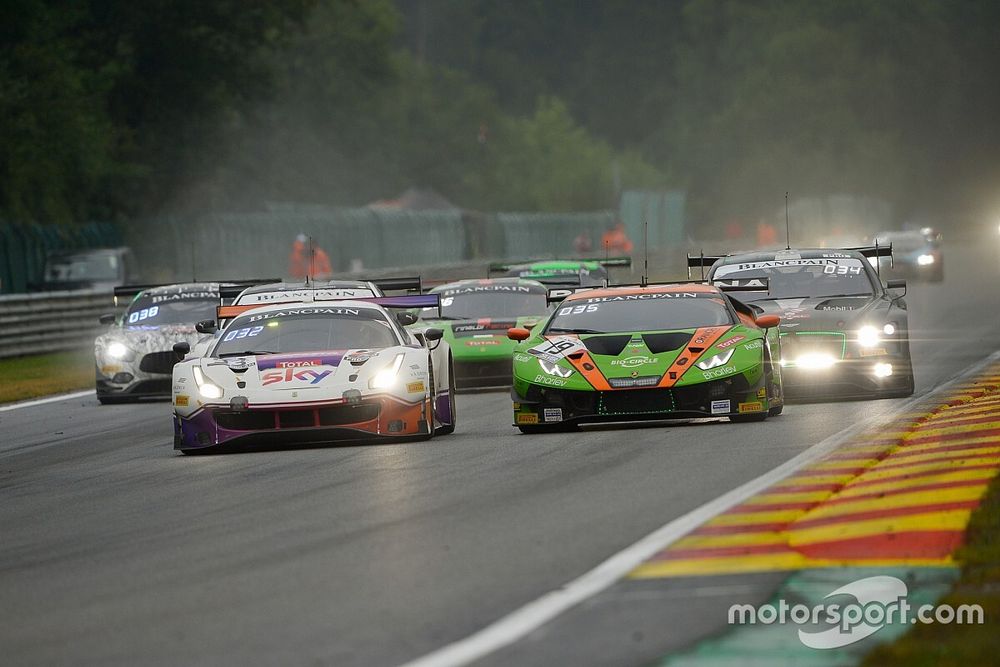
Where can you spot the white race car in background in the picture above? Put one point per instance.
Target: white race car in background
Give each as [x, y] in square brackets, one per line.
[135, 357]
[318, 371]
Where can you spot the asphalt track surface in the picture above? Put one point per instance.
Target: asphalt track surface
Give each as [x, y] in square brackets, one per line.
[116, 550]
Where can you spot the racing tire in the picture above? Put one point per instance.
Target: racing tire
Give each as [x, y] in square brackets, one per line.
[775, 411]
[111, 400]
[755, 417]
[450, 428]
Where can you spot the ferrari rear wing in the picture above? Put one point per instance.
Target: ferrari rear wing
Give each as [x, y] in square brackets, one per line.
[410, 301]
[230, 289]
[400, 284]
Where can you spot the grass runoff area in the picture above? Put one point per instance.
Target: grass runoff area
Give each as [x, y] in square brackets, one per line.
[22, 378]
[965, 645]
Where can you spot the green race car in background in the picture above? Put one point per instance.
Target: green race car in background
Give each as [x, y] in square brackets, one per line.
[475, 316]
[562, 272]
[657, 352]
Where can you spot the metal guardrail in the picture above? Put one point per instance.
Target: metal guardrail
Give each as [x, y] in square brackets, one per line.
[51, 321]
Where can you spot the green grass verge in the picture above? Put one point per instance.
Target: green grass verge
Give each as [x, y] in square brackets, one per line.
[22, 378]
[960, 645]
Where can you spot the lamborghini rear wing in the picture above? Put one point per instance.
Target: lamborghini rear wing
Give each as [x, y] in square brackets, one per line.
[410, 301]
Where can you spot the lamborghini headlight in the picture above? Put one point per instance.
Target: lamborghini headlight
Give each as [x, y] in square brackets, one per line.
[386, 377]
[206, 388]
[555, 369]
[868, 336]
[717, 360]
[118, 350]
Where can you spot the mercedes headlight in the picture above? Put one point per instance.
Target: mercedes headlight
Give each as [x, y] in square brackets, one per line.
[925, 260]
[868, 336]
[206, 388]
[386, 377]
[555, 369]
[117, 350]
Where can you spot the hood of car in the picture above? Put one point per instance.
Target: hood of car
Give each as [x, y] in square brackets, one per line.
[145, 340]
[820, 313]
[639, 359]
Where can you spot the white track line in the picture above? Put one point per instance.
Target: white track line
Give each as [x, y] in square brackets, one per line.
[519, 623]
[50, 399]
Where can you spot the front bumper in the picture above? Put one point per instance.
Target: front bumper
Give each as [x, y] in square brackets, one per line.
[846, 378]
[728, 397]
[148, 376]
[370, 419]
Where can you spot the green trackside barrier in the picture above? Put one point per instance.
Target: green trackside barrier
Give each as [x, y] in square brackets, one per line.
[664, 213]
[553, 234]
[24, 247]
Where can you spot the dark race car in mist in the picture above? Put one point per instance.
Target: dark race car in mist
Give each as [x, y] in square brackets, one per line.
[843, 333]
[916, 254]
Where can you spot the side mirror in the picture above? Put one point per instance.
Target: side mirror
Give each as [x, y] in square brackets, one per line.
[107, 318]
[181, 349]
[768, 321]
[896, 284]
[206, 327]
[433, 334]
[406, 318]
[518, 333]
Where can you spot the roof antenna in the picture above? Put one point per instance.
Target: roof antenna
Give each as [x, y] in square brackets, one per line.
[194, 249]
[312, 261]
[645, 253]
[788, 237]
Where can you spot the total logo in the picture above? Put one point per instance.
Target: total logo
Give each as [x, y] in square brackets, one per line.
[290, 375]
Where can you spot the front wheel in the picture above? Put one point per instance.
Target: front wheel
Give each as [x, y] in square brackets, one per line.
[449, 428]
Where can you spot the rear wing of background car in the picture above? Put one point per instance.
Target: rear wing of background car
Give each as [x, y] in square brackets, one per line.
[230, 289]
[876, 252]
[130, 291]
[407, 302]
[400, 284]
[701, 261]
[497, 267]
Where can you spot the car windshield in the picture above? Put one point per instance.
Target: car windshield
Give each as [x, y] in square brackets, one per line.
[307, 329]
[640, 312]
[82, 267]
[183, 308]
[507, 301]
[800, 278]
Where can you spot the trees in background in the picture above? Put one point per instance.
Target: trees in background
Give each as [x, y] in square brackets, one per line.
[112, 109]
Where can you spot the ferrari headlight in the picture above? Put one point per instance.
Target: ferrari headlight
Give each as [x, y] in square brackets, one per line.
[925, 260]
[868, 336]
[555, 369]
[206, 388]
[386, 377]
[117, 350]
[717, 360]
